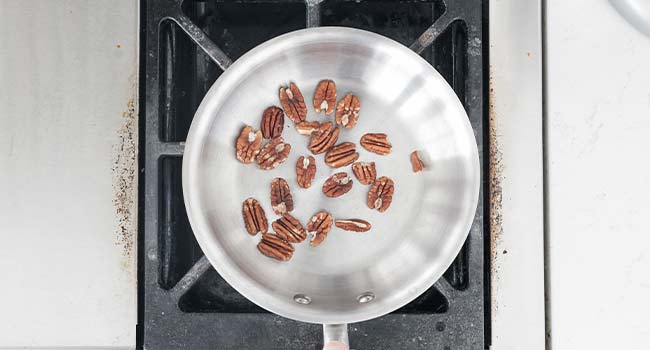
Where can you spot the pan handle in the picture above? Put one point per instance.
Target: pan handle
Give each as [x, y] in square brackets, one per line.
[335, 337]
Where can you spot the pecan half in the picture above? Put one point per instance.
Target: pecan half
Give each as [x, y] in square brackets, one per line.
[337, 185]
[281, 199]
[319, 226]
[381, 194]
[347, 111]
[272, 122]
[273, 153]
[293, 103]
[274, 247]
[290, 229]
[365, 172]
[307, 128]
[323, 138]
[356, 225]
[376, 143]
[254, 217]
[341, 155]
[325, 97]
[416, 162]
[248, 144]
[305, 171]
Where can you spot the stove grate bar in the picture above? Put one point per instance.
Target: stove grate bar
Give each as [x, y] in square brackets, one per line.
[427, 38]
[198, 36]
[190, 278]
[446, 289]
[313, 13]
[170, 148]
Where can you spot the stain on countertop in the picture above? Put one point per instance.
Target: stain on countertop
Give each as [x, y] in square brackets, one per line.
[125, 181]
[495, 189]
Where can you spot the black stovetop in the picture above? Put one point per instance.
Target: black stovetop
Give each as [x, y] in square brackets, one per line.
[183, 302]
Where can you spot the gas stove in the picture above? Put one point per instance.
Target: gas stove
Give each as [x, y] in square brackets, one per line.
[185, 304]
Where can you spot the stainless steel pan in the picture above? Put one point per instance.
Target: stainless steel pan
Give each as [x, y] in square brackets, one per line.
[351, 277]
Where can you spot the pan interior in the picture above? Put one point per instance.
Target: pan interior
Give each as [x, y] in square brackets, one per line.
[409, 246]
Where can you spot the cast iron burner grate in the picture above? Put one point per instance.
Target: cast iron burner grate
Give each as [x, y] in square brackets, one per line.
[185, 303]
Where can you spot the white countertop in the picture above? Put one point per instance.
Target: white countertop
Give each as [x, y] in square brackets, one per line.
[516, 175]
[68, 178]
[598, 176]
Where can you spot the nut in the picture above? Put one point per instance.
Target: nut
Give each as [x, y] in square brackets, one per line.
[307, 128]
[341, 155]
[318, 227]
[376, 143]
[254, 217]
[273, 153]
[381, 194]
[293, 103]
[272, 122]
[281, 199]
[274, 247]
[337, 185]
[416, 162]
[289, 229]
[305, 171]
[325, 97]
[356, 225]
[323, 138]
[248, 144]
[365, 172]
[347, 111]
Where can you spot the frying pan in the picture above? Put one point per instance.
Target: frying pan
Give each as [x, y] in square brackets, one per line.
[350, 277]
